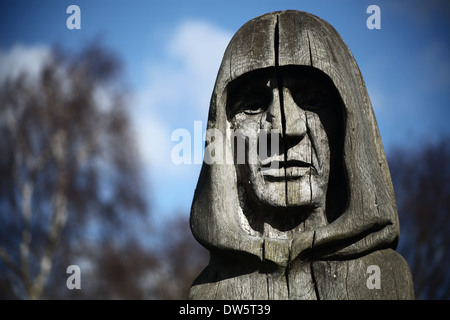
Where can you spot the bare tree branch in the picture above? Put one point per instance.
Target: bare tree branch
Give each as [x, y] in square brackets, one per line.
[54, 133]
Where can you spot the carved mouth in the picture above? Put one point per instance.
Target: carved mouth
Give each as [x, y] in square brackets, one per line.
[280, 170]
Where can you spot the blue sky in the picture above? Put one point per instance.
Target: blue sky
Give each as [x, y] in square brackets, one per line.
[171, 51]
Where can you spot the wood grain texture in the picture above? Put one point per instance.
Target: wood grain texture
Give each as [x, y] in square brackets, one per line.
[308, 235]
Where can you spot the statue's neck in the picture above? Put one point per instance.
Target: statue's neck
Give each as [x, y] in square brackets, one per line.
[291, 221]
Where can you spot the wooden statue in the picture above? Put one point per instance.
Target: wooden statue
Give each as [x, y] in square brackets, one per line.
[306, 207]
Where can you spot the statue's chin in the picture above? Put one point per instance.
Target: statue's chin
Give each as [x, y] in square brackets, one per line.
[291, 193]
[287, 218]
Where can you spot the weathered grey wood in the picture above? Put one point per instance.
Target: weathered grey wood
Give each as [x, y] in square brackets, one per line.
[309, 219]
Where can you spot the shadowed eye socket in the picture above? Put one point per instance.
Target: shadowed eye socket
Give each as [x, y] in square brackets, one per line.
[255, 107]
[253, 102]
[251, 93]
[312, 99]
[313, 104]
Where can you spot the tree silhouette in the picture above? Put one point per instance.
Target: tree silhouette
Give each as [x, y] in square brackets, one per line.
[69, 170]
[181, 260]
[422, 187]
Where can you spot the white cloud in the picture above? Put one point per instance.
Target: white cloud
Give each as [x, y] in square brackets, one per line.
[20, 59]
[152, 141]
[178, 88]
[176, 93]
[199, 46]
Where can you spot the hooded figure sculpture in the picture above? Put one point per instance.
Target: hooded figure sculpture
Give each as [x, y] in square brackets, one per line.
[305, 209]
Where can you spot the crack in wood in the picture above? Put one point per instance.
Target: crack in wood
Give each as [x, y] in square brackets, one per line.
[313, 277]
[279, 74]
[310, 53]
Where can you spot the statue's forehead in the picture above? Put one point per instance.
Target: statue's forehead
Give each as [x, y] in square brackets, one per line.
[275, 39]
[252, 47]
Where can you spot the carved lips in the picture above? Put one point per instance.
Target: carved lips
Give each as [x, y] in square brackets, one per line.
[276, 170]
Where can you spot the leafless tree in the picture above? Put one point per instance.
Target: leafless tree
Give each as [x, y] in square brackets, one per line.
[68, 166]
[422, 186]
[181, 259]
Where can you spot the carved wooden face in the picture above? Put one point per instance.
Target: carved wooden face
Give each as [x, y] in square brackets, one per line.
[291, 112]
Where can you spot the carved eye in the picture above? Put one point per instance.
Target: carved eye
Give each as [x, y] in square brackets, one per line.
[311, 99]
[256, 102]
[313, 104]
[254, 108]
[251, 99]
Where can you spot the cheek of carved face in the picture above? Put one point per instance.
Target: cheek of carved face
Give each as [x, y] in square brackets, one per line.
[310, 157]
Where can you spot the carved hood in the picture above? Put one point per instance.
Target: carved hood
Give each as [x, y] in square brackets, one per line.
[369, 220]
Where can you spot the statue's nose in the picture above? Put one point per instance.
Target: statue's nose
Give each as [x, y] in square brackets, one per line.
[294, 118]
[286, 116]
[274, 115]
